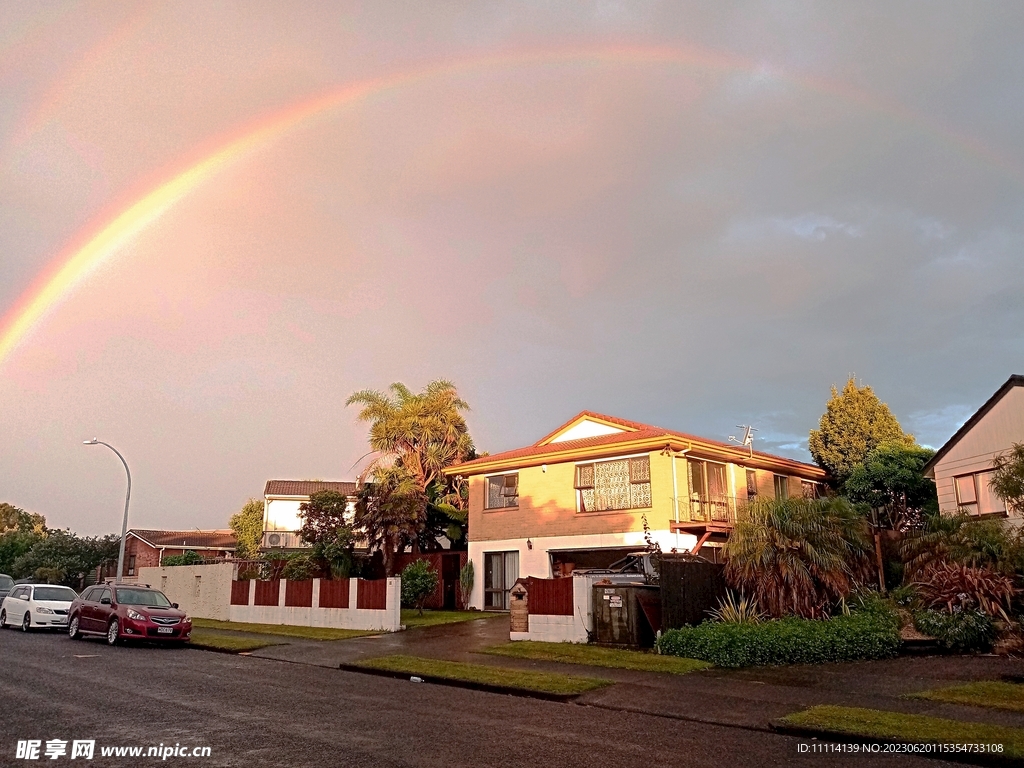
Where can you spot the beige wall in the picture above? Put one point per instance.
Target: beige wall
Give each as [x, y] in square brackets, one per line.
[995, 433]
[202, 591]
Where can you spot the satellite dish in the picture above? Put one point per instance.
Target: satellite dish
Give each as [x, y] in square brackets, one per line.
[748, 437]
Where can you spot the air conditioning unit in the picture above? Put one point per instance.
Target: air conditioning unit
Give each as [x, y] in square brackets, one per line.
[281, 540]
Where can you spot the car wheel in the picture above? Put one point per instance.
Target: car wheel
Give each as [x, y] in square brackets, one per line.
[26, 623]
[113, 630]
[73, 632]
[3, 619]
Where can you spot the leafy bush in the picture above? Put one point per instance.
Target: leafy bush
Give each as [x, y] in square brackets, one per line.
[798, 556]
[960, 631]
[466, 578]
[185, 558]
[419, 580]
[300, 567]
[963, 538]
[861, 635]
[958, 587]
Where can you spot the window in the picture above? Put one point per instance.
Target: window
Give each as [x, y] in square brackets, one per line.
[781, 487]
[503, 491]
[618, 484]
[501, 570]
[751, 485]
[131, 565]
[709, 491]
[808, 489]
[975, 496]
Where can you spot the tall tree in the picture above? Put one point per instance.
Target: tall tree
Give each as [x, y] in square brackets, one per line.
[1008, 478]
[327, 529]
[390, 513]
[891, 481]
[855, 422]
[14, 518]
[247, 524]
[415, 436]
[63, 557]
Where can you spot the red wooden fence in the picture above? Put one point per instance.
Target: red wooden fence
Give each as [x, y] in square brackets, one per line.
[550, 597]
[239, 592]
[268, 592]
[334, 593]
[298, 594]
[372, 594]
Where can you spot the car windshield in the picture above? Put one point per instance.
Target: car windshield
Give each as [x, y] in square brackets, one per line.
[142, 597]
[61, 594]
[6, 582]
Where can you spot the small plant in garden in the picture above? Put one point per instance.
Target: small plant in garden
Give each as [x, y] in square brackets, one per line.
[419, 580]
[466, 579]
[960, 631]
[959, 587]
[185, 558]
[300, 567]
[737, 611]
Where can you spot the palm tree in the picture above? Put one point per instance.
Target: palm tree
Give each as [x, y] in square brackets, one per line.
[798, 556]
[415, 436]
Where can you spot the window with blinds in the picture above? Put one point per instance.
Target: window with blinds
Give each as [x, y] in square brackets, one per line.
[503, 491]
[613, 485]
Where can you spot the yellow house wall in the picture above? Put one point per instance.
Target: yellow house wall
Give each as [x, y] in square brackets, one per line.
[547, 502]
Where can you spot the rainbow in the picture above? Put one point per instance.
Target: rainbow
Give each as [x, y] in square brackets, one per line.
[104, 238]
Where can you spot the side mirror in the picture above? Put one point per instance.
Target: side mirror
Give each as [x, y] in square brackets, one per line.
[105, 601]
[174, 605]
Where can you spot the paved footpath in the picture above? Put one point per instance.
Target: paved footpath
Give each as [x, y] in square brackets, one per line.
[260, 712]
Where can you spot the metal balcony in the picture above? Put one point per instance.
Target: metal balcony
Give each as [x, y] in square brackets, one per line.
[708, 517]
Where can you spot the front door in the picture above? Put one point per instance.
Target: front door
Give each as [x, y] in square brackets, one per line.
[450, 581]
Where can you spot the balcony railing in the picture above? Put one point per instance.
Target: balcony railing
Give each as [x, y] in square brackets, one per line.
[709, 509]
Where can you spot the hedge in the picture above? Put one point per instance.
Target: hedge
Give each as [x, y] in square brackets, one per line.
[787, 641]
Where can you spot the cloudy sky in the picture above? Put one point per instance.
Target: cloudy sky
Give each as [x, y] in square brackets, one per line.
[693, 215]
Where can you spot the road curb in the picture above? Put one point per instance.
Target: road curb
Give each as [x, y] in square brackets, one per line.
[506, 690]
[841, 737]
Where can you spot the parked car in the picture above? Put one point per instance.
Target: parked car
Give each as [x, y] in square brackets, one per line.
[6, 585]
[128, 612]
[37, 606]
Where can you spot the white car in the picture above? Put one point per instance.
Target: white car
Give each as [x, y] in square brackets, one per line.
[36, 606]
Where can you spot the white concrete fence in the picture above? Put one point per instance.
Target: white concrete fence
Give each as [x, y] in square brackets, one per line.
[554, 628]
[205, 591]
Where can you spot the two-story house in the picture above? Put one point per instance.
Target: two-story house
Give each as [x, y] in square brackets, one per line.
[282, 499]
[962, 468]
[579, 497]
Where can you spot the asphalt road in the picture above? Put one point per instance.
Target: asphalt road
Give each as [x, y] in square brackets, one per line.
[258, 712]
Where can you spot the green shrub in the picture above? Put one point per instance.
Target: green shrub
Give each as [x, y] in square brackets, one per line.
[419, 580]
[860, 635]
[185, 558]
[962, 631]
[300, 567]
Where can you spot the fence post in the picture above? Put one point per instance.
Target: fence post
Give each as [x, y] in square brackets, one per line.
[282, 585]
[252, 592]
[353, 593]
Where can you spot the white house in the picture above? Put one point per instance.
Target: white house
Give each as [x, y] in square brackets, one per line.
[962, 468]
[281, 520]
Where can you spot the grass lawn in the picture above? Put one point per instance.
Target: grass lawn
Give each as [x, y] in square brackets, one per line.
[284, 630]
[573, 653]
[214, 642]
[411, 617]
[917, 728]
[542, 682]
[987, 693]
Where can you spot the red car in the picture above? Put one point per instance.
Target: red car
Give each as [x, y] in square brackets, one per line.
[128, 612]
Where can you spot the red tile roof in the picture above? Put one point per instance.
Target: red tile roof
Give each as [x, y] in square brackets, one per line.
[307, 487]
[639, 432]
[187, 539]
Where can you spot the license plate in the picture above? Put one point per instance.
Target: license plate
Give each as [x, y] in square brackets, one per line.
[164, 630]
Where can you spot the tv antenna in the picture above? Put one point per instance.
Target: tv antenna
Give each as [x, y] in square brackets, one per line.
[748, 438]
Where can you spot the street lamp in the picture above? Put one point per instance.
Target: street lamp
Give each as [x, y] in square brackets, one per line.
[127, 498]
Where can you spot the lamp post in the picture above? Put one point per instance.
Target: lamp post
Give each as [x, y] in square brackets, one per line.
[127, 498]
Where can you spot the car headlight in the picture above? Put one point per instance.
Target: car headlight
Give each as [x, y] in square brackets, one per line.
[40, 609]
[188, 620]
[135, 615]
